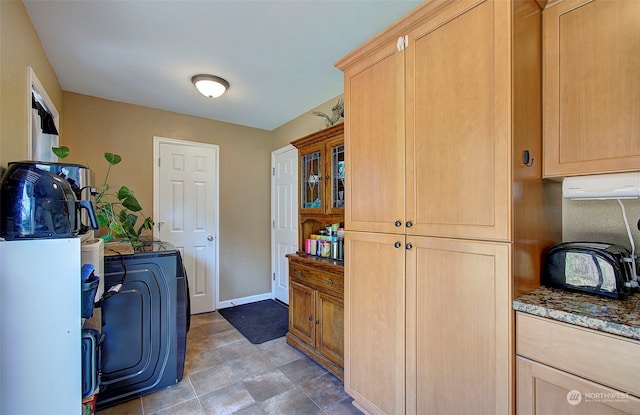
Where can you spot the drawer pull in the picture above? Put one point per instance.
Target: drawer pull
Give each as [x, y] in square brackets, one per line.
[330, 282]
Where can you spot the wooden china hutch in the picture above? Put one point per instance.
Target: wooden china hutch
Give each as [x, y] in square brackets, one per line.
[316, 282]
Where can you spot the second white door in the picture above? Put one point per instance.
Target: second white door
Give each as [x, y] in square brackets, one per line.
[186, 212]
[284, 216]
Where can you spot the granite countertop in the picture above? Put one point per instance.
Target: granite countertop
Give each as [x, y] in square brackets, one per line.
[619, 317]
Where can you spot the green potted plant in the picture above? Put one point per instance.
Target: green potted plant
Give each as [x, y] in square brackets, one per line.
[117, 210]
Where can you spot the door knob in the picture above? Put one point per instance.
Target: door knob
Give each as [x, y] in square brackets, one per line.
[210, 238]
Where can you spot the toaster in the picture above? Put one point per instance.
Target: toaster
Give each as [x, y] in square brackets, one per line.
[589, 267]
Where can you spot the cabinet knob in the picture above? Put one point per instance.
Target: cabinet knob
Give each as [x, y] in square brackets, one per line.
[409, 246]
[317, 321]
[409, 224]
[398, 223]
[330, 282]
[310, 318]
[397, 244]
[210, 238]
[327, 177]
[299, 273]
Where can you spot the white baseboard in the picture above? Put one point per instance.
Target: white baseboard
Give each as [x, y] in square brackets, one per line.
[245, 300]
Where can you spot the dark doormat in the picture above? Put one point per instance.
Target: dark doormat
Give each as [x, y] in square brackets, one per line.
[259, 322]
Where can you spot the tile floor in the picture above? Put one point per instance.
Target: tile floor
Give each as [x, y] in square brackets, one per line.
[225, 374]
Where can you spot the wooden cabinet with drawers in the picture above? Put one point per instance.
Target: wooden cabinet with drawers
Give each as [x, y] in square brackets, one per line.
[566, 369]
[316, 284]
[316, 310]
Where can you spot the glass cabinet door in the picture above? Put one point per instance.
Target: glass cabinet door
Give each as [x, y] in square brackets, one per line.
[337, 177]
[312, 179]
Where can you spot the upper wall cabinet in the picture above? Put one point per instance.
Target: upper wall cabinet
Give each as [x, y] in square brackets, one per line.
[591, 87]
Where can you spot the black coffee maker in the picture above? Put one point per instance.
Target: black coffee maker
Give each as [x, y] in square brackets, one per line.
[80, 178]
[35, 203]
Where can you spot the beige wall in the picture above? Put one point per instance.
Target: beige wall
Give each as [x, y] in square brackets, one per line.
[93, 126]
[302, 125]
[20, 47]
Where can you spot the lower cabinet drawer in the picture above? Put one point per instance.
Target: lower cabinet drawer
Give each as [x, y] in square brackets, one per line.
[321, 280]
[606, 359]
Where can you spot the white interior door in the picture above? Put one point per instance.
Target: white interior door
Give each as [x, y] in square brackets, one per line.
[186, 212]
[284, 216]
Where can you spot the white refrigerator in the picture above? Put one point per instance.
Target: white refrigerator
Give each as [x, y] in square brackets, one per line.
[40, 327]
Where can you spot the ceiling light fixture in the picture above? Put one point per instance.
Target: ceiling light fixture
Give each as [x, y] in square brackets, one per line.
[209, 85]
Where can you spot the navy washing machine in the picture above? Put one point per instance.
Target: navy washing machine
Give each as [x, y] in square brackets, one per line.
[144, 325]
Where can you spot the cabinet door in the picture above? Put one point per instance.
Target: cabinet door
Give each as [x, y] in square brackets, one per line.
[458, 327]
[591, 87]
[374, 142]
[330, 327]
[543, 390]
[374, 321]
[302, 312]
[335, 177]
[457, 118]
[312, 181]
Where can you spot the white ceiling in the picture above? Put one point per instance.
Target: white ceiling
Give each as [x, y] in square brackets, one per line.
[278, 56]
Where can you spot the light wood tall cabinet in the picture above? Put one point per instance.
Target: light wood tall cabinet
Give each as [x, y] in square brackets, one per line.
[433, 111]
[592, 87]
[444, 218]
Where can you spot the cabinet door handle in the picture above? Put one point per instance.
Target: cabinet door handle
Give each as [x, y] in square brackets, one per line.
[330, 282]
[409, 224]
[409, 246]
[397, 244]
[398, 224]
